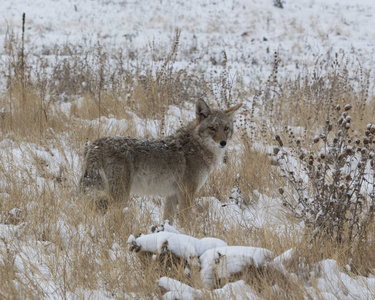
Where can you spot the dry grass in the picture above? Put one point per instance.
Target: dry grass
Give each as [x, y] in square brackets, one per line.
[60, 242]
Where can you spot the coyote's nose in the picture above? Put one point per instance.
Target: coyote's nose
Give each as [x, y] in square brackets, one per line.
[223, 143]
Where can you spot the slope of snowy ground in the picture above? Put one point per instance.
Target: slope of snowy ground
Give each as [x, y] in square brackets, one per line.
[249, 31]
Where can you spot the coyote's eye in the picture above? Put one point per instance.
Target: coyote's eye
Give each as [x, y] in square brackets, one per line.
[226, 128]
[212, 128]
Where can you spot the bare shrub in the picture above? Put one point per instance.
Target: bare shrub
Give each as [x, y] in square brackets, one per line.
[333, 191]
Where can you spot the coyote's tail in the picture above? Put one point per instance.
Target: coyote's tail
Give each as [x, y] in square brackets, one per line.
[93, 175]
[93, 185]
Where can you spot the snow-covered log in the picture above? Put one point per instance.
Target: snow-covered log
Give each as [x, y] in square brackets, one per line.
[181, 245]
[226, 261]
[215, 259]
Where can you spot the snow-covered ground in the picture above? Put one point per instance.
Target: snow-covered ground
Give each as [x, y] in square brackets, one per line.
[304, 32]
[249, 31]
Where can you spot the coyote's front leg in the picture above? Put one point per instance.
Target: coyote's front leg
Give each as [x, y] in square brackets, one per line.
[185, 206]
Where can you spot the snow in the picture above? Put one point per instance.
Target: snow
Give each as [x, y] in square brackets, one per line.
[211, 254]
[230, 260]
[182, 245]
[280, 261]
[342, 286]
[238, 290]
[249, 31]
[178, 290]
[234, 213]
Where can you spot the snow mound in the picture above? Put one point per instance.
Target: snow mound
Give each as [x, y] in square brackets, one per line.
[212, 255]
[230, 260]
[279, 262]
[181, 245]
[333, 282]
[178, 290]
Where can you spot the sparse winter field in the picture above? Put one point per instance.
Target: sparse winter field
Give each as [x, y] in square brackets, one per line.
[290, 212]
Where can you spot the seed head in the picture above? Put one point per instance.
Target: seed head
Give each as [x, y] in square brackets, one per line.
[278, 139]
[349, 151]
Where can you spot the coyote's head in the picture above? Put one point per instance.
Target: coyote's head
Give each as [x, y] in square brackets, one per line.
[215, 126]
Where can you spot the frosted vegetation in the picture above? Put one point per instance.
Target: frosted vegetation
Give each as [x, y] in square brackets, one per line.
[289, 214]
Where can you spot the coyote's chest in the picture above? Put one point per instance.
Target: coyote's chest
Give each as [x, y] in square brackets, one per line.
[206, 165]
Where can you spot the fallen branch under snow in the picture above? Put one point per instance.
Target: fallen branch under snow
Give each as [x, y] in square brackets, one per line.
[213, 256]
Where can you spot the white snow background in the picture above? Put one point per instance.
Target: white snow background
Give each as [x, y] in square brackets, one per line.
[249, 32]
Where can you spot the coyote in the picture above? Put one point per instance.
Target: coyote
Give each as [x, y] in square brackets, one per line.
[174, 167]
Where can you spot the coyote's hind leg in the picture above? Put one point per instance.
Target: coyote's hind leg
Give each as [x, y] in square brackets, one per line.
[170, 207]
[119, 183]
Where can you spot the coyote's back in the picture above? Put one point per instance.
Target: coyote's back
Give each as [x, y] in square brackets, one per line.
[175, 167]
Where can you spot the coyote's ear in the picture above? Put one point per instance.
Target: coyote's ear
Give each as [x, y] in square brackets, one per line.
[202, 110]
[231, 110]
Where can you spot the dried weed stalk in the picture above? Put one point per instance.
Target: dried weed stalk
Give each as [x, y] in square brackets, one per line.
[334, 192]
